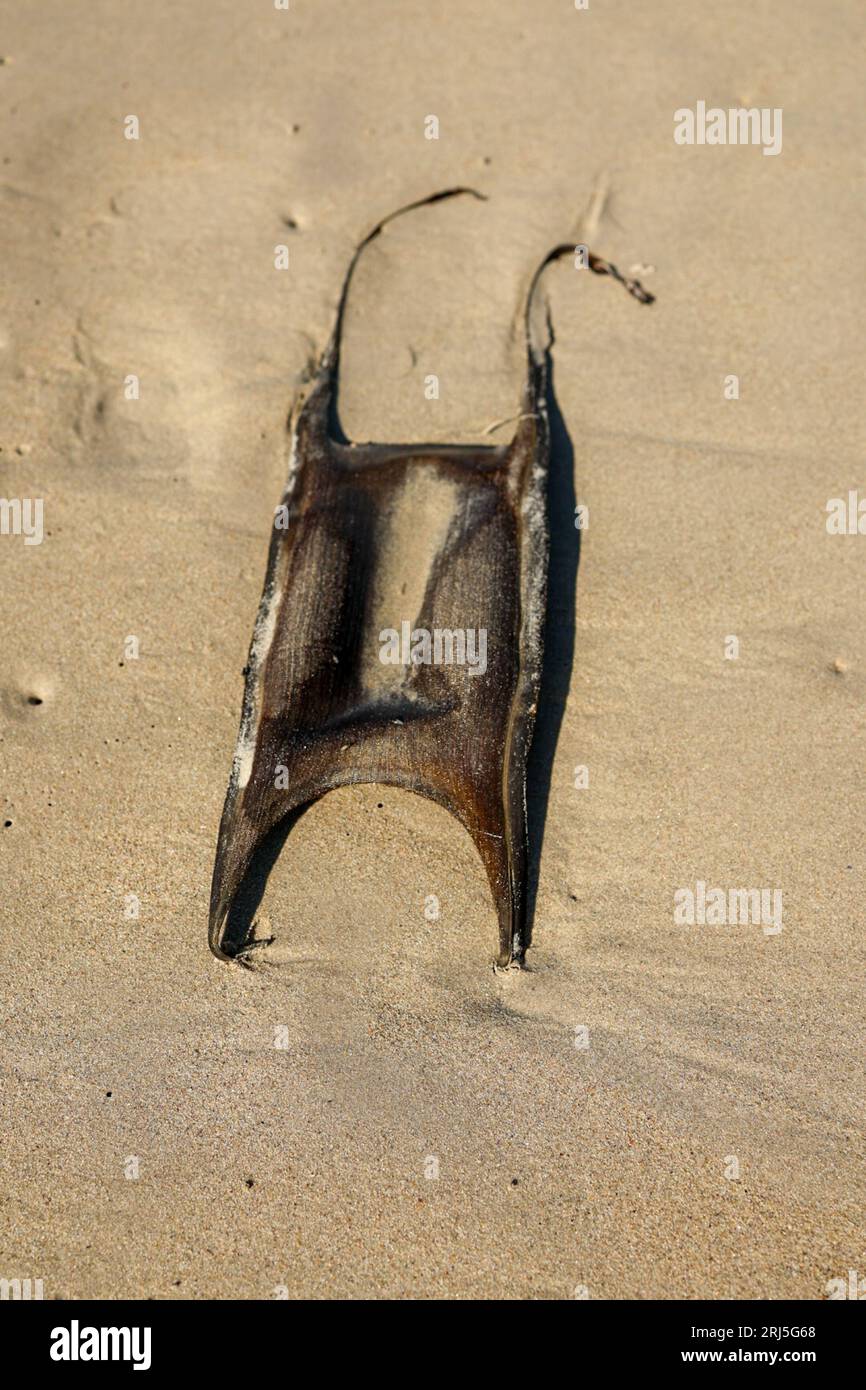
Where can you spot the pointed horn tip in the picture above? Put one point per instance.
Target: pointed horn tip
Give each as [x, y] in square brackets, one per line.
[217, 950]
[451, 193]
[217, 919]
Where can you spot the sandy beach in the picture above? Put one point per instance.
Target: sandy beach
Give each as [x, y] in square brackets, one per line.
[653, 1108]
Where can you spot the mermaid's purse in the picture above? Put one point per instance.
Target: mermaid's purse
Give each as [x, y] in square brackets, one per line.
[368, 665]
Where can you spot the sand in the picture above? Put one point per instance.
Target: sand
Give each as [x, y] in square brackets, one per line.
[650, 1109]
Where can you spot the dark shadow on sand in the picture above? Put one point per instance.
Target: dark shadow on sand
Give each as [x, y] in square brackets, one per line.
[559, 638]
[238, 932]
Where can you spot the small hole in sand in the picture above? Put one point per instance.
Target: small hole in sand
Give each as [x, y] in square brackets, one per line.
[34, 699]
[6, 824]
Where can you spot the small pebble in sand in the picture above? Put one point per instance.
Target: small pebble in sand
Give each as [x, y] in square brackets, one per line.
[839, 666]
[36, 692]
